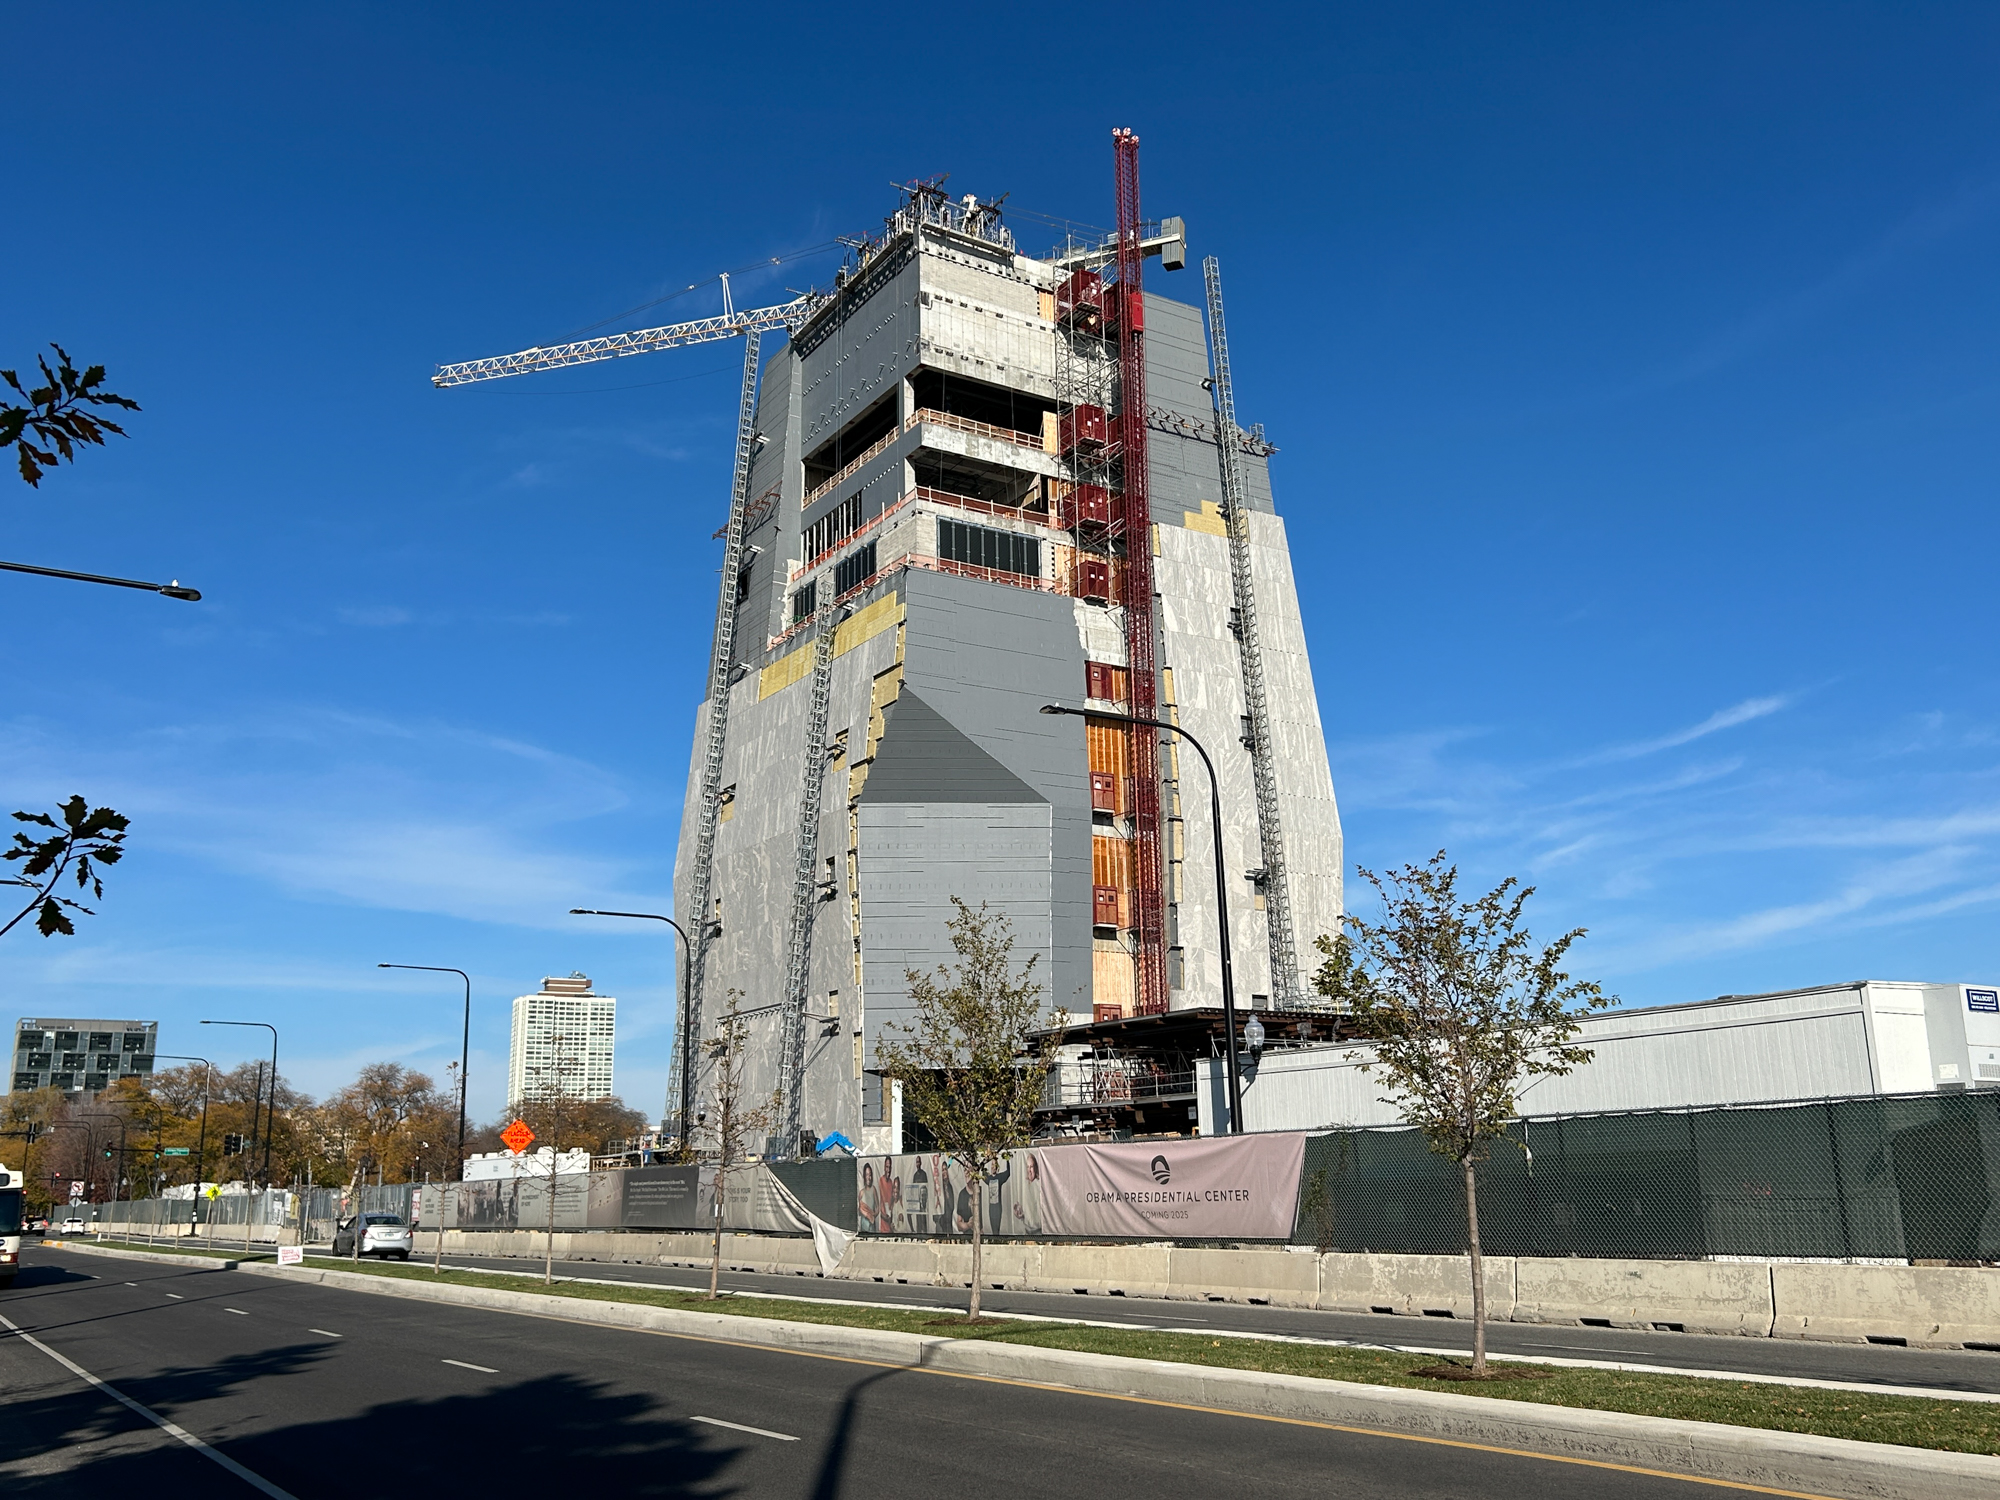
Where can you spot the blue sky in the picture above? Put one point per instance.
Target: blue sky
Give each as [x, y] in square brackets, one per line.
[1632, 370]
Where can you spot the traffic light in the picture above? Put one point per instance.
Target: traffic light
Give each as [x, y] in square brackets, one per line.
[107, 1153]
[232, 1145]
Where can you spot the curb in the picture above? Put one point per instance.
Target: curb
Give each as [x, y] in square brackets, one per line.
[1787, 1462]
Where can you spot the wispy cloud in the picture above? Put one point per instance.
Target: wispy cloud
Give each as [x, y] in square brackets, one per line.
[1715, 723]
[1701, 859]
[405, 815]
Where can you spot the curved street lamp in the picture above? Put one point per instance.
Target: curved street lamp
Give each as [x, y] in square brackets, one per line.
[273, 1117]
[1221, 890]
[686, 1048]
[201, 1150]
[173, 590]
[464, 1045]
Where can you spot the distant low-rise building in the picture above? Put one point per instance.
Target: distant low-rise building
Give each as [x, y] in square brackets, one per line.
[81, 1057]
[563, 1039]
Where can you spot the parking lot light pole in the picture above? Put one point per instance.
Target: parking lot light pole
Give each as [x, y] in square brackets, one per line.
[686, 1047]
[464, 1049]
[1221, 889]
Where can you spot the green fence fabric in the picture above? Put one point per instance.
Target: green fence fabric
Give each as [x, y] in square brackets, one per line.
[1905, 1177]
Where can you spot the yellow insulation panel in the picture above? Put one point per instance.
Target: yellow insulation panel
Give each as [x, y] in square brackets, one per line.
[796, 664]
[1208, 518]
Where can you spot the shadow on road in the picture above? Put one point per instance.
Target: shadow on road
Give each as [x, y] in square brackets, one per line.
[555, 1434]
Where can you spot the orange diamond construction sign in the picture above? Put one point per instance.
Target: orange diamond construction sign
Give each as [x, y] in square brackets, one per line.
[518, 1137]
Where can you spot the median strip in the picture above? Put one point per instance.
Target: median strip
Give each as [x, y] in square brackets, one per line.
[1949, 1425]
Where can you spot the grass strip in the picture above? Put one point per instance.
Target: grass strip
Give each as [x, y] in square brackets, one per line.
[1915, 1421]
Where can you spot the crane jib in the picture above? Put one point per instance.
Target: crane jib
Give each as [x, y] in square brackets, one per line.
[735, 324]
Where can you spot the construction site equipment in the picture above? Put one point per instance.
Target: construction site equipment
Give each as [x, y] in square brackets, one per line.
[1256, 702]
[1148, 896]
[805, 885]
[720, 654]
[729, 324]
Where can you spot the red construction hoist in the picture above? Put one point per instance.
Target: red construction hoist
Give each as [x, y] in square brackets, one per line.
[1128, 306]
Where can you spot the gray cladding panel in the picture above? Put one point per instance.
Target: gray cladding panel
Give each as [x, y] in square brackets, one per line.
[861, 361]
[985, 657]
[915, 858]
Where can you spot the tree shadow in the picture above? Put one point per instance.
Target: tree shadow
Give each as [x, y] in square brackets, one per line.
[555, 1433]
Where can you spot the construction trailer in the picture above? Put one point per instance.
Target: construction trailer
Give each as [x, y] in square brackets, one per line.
[977, 482]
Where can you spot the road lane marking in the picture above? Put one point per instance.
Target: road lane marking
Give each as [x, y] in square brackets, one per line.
[1224, 1411]
[482, 1369]
[326, 1334]
[131, 1283]
[177, 1296]
[172, 1429]
[783, 1437]
[237, 1310]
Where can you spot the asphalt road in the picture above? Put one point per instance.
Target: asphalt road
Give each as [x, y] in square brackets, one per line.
[1941, 1369]
[316, 1391]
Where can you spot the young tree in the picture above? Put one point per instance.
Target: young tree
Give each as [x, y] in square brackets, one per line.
[1461, 1010]
[968, 1072]
[734, 1123]
[555, 1102]
[87, 838]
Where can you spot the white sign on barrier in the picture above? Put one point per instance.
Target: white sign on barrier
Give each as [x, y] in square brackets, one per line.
[291, 1255]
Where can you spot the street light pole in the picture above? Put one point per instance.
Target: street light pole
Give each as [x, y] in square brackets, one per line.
[201, 1149]
[1221, 889]
[464, 1046]
[272, 1120]
[686, 1048]
[174, 590]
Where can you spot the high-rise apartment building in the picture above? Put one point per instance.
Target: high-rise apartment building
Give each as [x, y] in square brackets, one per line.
[80, 1056]
[563, 1038]
[982, 482]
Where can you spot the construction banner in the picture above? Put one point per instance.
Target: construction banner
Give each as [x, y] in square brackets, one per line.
[1228, 1188]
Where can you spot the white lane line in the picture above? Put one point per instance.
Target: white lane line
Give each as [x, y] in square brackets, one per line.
[326, 1334]
[131, 1283]
[482, 1369]
[172, 1429]
[237, 1310]
[177, 1296]
[783, 1437]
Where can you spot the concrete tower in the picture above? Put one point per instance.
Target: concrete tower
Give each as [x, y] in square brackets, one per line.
[927, 563]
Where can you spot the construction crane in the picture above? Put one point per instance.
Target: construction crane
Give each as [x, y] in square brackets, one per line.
[732, 323]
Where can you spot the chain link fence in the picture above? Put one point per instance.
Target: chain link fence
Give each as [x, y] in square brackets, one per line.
[1894, 1178]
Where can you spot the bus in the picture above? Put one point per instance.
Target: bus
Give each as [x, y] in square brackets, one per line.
[10, 1225]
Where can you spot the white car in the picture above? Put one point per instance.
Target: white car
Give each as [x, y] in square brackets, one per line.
[381, 1234]
[74, 1225]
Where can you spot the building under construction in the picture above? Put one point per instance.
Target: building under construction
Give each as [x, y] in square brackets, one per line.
[974, 482]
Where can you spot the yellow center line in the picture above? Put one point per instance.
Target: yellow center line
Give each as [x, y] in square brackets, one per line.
[1223, 1411]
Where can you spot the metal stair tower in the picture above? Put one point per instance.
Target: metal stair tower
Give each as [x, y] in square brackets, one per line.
[1263, 748]
[805, 885]
[700, 877]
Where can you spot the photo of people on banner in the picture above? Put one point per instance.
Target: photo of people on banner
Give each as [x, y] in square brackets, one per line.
[1240, 1187]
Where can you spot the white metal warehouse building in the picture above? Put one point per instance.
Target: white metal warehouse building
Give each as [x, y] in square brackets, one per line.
[1833, 1041]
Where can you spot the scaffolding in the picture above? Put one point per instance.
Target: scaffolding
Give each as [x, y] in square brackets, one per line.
[680, 1084]
[1250, 649]
[806, 889]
